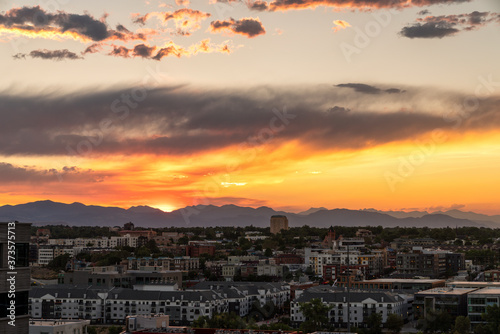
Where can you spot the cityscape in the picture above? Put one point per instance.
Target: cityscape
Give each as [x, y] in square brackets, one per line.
[250, 167]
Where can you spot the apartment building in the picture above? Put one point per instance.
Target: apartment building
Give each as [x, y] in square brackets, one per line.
[183, 263]
[113, 305]
[429, 263]
[244, 297]
[362, 305]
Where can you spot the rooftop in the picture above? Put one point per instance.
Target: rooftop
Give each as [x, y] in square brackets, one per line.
[488, 291]
[447, 291]
[401, 280]
[53, 323]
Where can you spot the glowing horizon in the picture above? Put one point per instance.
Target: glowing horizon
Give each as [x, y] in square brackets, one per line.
[321, 104]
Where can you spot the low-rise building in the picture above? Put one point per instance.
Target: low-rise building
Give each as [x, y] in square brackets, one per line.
[479, 300]
[447, 299]
[362, 305]
[399, 284]
[117, 278]
[57, 326]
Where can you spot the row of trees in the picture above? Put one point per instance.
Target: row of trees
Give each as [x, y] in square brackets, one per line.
[293, 235]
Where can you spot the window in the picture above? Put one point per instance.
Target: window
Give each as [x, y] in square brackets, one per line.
[22, 255]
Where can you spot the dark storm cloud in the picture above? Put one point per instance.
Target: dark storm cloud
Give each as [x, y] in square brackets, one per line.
[248, 27]
[35, 20]
[429, 30]
[180, 121]
[50, 54]
[25, 174]
[448, 25]
[367, 89]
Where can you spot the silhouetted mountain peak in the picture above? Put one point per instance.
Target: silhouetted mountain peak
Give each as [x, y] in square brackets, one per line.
[49, 212]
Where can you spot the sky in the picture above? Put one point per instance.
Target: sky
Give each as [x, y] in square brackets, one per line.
[291, 104]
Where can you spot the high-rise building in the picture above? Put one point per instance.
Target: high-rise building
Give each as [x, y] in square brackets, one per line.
[14, 277]
[278, 223]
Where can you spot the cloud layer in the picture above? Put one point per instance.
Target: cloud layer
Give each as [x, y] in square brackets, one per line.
[283, 5]
[50, 54]
[181, 121]
[36, 22]
[448, 25]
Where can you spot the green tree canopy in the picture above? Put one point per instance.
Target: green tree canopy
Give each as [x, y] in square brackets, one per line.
[462, 325]
[316, 314]
[394, 323]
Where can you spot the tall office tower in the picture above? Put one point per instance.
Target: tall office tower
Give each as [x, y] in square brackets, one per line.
[278, 223]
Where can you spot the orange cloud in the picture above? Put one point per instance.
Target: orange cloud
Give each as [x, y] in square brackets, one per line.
[186, 20]
[169, 49]
[340, 24]
[35, 22]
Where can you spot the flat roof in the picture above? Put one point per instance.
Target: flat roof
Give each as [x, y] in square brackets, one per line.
[52, 323]
[487, 291]
[401, 280]
[447, 291]
[473, 283]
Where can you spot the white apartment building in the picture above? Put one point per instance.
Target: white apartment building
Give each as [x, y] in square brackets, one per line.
[362, 305]
[45, 255]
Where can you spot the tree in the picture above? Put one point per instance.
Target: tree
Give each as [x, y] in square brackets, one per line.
[492, 317]
[316, 314]
[183, 240]
[374, 323]
[59, 262]
[269, 252]
[395, 323]
[435, 321]
[115, 330]
[201, 322]
[462, 325]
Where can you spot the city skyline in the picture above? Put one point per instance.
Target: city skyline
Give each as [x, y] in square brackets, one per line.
[391, 105]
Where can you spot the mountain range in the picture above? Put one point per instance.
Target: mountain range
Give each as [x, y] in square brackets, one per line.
[78, 214]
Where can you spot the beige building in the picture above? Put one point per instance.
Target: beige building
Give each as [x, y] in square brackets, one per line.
[278, 223]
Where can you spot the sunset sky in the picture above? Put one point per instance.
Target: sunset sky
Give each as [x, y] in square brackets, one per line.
[291, 104]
